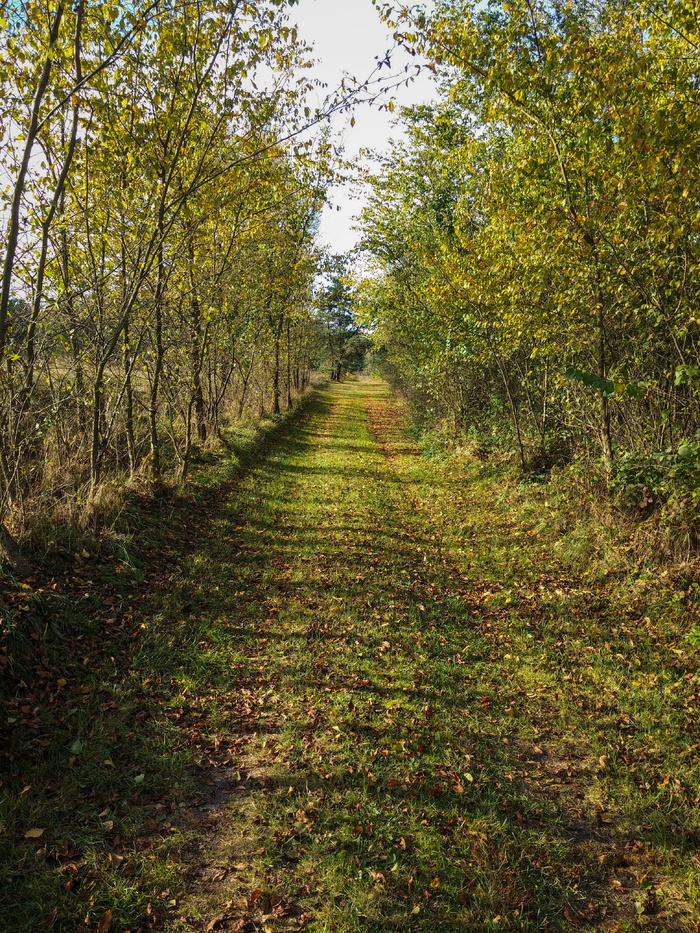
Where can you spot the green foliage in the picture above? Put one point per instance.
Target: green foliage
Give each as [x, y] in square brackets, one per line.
[166, 221]
[344, 346]
[591, 380]
[665, 476]
[532, 244]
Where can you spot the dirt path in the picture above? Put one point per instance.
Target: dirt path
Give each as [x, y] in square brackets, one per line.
[433, 740]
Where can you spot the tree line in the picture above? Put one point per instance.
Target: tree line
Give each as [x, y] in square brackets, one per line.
[157, 239]
[535, 239]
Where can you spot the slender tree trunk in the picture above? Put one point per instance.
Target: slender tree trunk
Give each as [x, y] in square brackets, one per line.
[276, 372]
[244, 393]
[289, 367]
[30, 138]
[545, 409]
[96, 433]
[154, 395]
[513, 408]
[196, 351]
[605, 428]
[129, 402]
[57, 200]
[187, 451]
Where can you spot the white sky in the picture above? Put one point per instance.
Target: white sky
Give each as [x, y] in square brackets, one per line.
[347, 36]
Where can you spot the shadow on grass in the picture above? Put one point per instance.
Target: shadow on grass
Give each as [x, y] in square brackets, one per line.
[382, 691]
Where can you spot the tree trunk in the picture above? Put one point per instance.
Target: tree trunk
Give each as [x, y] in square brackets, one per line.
[513, 410]
[605, 429]
[276, 372]
[196, 352]
[155, 465]
[129, 403]
[289, 367]
[13, 226]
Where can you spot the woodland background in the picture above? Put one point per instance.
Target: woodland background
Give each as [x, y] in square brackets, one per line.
[529, 255]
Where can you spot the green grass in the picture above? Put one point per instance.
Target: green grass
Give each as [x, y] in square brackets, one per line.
[408, 712]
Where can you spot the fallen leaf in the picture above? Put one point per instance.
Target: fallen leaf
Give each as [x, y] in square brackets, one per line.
[105, 922]
[217, 923]
[33, 833]
[51, 917]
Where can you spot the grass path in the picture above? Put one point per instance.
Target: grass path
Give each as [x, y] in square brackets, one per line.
[377, 702]
[443, 737]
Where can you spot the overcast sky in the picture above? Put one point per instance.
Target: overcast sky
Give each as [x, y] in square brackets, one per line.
[347, 36]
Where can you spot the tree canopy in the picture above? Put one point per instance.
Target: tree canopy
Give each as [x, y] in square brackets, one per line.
[535, 239]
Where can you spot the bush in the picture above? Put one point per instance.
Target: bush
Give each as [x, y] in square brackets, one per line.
[664, 477]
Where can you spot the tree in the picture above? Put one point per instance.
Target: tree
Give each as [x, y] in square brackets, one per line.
[345, 344]
[542, 223]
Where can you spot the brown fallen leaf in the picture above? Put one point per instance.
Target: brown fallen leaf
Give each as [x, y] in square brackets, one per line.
[50, 917]
[105, 922]
[255, 896]
[232, 926]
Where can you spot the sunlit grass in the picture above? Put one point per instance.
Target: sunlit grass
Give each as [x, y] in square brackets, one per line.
[441, 725]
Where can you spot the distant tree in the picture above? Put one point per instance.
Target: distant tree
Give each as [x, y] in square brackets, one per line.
[345, 344]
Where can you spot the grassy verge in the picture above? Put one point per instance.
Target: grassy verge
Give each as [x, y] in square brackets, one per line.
[356, 690]
[111, 696]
